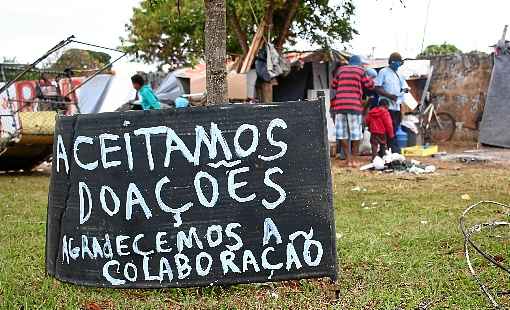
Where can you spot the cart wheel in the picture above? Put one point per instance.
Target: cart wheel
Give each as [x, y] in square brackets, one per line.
[442, 127]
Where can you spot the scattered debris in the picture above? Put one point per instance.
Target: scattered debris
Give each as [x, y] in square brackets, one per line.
[495, 260]
[468, 158]
[465, 197]
[359, 189]
[367, 206]
[440, 154]
[472, 160]
[397, 163]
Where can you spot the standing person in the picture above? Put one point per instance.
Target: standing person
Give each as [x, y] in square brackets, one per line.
[380, 126]
[391, 85]
[347, 107]
[148, 99]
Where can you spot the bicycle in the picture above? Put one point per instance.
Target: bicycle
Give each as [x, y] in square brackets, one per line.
[436, 126]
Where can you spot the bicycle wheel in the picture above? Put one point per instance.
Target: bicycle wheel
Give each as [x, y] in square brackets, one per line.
[442, 127]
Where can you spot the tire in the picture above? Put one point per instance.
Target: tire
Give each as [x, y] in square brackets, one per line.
[444, 132]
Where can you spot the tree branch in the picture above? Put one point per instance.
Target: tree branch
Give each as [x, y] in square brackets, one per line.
[258, 38]
[268, 17]
[236, 26]
[293, 6]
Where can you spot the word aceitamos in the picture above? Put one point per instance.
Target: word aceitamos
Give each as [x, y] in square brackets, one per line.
[109, 144]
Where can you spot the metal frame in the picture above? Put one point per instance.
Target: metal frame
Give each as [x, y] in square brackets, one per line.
[32, 68]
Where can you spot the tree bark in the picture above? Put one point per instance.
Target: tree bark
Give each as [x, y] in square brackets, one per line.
[293, 6]
[236, 26]
[268, 17]
[216, 51]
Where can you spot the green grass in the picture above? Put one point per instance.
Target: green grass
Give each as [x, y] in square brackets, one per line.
[399, 246]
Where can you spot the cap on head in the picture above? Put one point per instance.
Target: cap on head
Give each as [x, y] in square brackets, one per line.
[395, 57]
[371, 73]
[355, 60]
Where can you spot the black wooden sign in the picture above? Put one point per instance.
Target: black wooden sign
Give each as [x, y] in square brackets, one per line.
[194, 197]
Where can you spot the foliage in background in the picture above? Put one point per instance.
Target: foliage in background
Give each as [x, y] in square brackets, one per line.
[439, 50]
[79, 59]
[10, 68]
[75, 59]
[163, 32]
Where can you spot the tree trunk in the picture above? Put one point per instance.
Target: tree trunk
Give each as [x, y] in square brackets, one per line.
[293, 6]
[216, 51]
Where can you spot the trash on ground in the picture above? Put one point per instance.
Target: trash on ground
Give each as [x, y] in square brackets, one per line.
[440, 154]
[472, 160]
[467, 158]
[397, 163]
[359, 189]
[465, 197]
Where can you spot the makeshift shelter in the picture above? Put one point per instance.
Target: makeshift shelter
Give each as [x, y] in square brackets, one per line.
[494, 126]
[309, 78]
[169, 89]
[310, 71]
[91, 96]
[240, 86]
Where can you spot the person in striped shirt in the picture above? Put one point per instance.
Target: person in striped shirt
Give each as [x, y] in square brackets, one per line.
[346, 105]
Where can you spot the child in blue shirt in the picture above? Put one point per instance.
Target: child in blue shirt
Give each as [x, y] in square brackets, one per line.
[148, 99]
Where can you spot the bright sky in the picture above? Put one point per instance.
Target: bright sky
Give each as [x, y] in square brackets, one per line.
[468, 24]
[29, 27]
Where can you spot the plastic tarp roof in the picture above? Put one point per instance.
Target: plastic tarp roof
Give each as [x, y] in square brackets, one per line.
[496, 116]
[170, 88]
[120, 89]
[412, 68]
[92, 94]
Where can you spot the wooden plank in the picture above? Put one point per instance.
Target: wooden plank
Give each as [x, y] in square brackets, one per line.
[254, 48]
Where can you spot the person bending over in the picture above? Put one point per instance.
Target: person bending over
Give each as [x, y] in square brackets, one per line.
[380, 126]
[148, 99]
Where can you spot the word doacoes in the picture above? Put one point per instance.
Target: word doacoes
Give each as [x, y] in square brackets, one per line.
[134, 196]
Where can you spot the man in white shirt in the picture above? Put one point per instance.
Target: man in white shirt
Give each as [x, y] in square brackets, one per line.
[392, 86]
